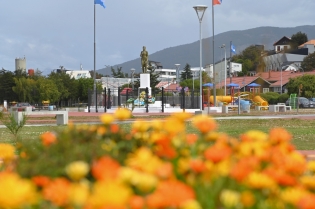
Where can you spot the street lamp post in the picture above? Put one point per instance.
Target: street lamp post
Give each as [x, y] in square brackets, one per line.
[132, 74]
[223, 46]
[200, 10]
[177, 73]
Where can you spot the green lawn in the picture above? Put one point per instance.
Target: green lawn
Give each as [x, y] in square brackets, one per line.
[303, 131]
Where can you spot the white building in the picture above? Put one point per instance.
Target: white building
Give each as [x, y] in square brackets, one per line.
[77, 74]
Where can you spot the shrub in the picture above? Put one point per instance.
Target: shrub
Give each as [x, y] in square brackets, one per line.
[156, 165]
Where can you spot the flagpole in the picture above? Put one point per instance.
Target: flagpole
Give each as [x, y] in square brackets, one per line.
[230, 62]
[214, 89]
[94, 84]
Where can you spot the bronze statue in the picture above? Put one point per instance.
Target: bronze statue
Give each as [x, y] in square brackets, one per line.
[144, 60]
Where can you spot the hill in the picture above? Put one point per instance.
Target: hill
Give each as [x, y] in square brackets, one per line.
[189, 53]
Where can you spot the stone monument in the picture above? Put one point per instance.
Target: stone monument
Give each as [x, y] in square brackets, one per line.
[145, 76]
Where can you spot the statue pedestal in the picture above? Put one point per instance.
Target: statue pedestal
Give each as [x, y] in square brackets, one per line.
[145, 81]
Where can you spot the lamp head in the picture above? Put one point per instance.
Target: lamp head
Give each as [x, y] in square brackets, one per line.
[200, 10]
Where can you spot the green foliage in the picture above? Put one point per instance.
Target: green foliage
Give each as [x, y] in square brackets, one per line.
[308, 63]
[77, 143]
[83, 85]
[6, 84]
[283, 98]
[186, 73]
[12, 125]
[307, 81]
[118, 73]
[48, 90]
[271, 97]
[298, 39]
[250, 58]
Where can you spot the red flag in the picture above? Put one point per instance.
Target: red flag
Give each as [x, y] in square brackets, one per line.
[215, 2]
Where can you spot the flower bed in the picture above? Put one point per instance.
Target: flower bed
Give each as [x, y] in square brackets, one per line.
[155, 165]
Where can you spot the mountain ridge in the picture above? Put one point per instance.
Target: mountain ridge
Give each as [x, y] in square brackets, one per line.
[189, 53]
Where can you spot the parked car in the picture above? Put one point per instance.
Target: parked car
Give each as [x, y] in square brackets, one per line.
[303, 103]
[312, 99]
[23, 105]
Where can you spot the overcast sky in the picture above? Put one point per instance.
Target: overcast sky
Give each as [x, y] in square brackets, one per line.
[51, 33]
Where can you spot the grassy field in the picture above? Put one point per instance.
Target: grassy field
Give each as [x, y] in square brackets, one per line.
[303, 131]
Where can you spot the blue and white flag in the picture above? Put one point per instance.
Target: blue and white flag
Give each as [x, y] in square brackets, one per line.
[233, 50]
[100, 2]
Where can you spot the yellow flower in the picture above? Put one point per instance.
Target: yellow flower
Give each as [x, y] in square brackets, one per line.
[144, 182]
[157, 125]
[183, 116]
[109, 194]
[79, 193]
[255, 135]
[16, 192]
[311, 166]
[7, 152]
[308, 181]
[260, 181]
[229, 198]
[77, 170]
[107, 118]
[292, 195]
[122, 114]
[144, 160]
[190, 204]
[140, 126]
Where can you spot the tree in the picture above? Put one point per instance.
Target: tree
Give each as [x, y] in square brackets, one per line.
[308, 63]
[307, 82]
[6, 84]
[298, 39]
[83, 85]
[47, 90]
[118, 73]
[250, 58]
[186, 73]
[97, 75]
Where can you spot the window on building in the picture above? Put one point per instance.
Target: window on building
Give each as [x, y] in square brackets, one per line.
[255, 90]
[265, 90]
[277, 89]
[278, 48]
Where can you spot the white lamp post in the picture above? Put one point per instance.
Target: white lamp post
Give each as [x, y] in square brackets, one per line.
[177, 73]
[223, 46]
[132, 73]
[200, 10]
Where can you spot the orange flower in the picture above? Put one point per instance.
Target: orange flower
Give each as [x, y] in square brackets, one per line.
[48, 138]
[165, 170]
[281, 177]
[136, 202]
[114, 128]
[105, 168]
[182, 116]
[170, 194]
[197, 165]
[204, 123]
[41, 181]
[217, 153]
[241, 170]
[247, 199]
[57, 191]
[279, 135]
[164, 148]
[307, 202]
[191, 138]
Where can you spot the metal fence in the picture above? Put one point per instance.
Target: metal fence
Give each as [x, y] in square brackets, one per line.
[109, 98]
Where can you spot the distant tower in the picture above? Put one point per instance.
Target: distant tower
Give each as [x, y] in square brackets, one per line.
[20, 64]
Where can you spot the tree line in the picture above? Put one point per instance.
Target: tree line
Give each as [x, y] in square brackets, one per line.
[58, 88]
